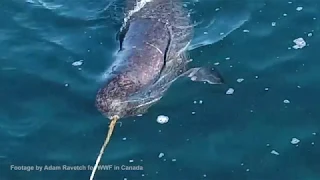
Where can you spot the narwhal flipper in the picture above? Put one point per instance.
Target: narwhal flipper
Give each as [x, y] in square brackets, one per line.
[205, 74]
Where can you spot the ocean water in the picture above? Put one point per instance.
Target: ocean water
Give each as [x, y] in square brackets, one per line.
[267, 129]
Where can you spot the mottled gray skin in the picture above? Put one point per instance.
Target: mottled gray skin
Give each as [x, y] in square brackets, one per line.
[151, 56]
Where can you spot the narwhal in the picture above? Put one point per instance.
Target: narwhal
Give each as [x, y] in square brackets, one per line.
[152, 55]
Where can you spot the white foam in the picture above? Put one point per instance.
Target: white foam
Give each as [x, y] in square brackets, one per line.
[139, 5]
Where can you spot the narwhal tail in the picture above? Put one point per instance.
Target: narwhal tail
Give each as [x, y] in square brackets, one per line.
[110, 131]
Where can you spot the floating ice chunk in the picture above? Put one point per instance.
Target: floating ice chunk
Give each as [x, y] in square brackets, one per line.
[77, 63]
[161, 155]
[173, 160]
[162, 119]
[286, 101]
[227, 58]
[273, 24]
[66, 85]
[314, 133]
[309, 34]
[300, 43]
[124, 138]
[246, 31]
[200, 102]
[274, 152]
[130, 160]
[230, 91]
[217, 63]
[295, 141]
[299, 8]
[240, 80]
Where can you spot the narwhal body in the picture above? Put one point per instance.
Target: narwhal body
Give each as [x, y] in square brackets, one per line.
[152, 55]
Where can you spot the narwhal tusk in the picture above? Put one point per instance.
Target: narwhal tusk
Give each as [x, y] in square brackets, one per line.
[111, 127]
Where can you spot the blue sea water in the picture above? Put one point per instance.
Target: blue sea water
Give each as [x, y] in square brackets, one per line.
[48, 117]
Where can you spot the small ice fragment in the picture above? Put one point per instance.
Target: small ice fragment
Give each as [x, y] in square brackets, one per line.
[242, 164]
[257, 77]
[161, 155]
[268, 145]
[205, 32]
[217, 63]
[217, 9]
[130, 160]
[266, 89]
[124, 138]
[227, 58]
[221, 34]
[240, 80]
[125, 179]
[286, 101]
[312, 143]
[246, 31]
[66, 85]
[194, 102]
[300, 43]
[295, 141]
[248, 170]
[299, 8]
[314, 133]
[230, 91]
[285, 14]
[193, 112]
[274, 152]
[162, 119]
[273, 24]
[204, 175]
[173, 160]
[289, 2]
[77, 63]
[200, 102]
[309, 34]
